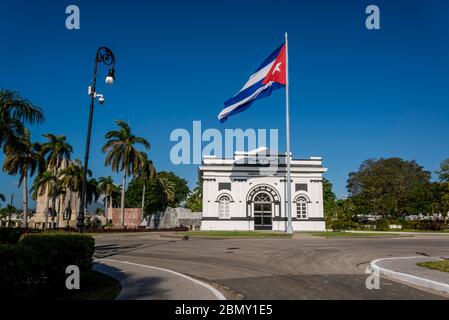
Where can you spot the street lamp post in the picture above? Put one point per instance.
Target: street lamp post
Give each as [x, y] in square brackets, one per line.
[105, 56]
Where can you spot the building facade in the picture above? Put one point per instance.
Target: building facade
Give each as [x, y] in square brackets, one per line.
[66, 208]
[248, 193]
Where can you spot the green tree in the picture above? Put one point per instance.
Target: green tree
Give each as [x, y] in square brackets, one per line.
[167, 189]
[124, 156]
[106, 187]
[386, 186]
[43, 185]
[56, 150]
[60, 193]
[146, 172]
[15, 112]
[72, 180]
[2, 199]
[443, 173]
[439, 198]
[180, 187]
[329, 197]
[116, 195]
[92, 192]
[194, 201]
[23, 158]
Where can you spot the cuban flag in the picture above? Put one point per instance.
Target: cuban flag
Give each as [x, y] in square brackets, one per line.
[271, 75]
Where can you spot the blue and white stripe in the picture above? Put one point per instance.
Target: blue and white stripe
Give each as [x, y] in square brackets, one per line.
[253, 89]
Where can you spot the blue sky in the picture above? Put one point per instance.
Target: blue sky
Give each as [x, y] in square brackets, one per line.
[355, 94]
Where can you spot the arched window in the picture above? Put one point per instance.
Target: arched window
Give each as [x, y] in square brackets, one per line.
[223, 207]
[301, 208]
[262, 197]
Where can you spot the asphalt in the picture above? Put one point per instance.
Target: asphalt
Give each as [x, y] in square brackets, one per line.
[305, 267]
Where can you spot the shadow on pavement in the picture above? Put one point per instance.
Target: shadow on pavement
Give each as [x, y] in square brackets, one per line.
[135, 288]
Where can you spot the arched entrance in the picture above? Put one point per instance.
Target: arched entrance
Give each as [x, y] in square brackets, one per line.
[263, 211]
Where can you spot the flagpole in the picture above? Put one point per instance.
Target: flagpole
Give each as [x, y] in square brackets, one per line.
[287, 129]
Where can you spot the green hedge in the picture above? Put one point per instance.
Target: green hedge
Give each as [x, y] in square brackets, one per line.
[425, 225]
[52, 253]
[10, 235]
[15, 274]
[39, 261]
[343, 225]
[382, 225]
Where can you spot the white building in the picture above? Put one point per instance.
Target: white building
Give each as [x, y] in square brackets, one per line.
[244, 193]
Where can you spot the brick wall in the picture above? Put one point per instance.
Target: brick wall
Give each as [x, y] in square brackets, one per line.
[133, 217]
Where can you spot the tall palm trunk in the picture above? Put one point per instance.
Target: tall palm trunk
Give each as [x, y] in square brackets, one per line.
[106, 203]
[53, 199]
[47, 203]
[25, 202]
[110, 209]
[53, 210]
[58, 213]
[143, 196]
[122, 200]
[69, 207]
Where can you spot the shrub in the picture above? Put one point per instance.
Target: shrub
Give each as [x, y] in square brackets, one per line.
[339, 224]
[14, 275]
[52, 253]
[382, 225]
[425, 225]
[10, 235]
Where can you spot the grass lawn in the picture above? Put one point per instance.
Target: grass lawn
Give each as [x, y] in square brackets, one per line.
[350, 234]
[436, 265]
[98, 287]
[238, 234]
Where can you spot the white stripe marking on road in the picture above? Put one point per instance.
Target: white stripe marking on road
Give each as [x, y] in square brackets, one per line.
[217, 293]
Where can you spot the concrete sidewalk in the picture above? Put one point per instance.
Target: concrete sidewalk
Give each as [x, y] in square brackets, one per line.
[405, 269]
[142, 282]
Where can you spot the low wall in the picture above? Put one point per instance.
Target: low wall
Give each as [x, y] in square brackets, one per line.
[133, 217]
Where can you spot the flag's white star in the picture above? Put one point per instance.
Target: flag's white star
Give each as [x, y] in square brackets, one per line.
[277, 68]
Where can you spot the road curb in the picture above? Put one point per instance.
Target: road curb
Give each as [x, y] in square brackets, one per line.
[408, 278]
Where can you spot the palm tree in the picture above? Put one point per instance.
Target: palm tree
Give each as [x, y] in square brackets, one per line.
[147, 171]
[43, 185]
[116, 195]
[23, 158]
[166, 188]
[92, 193]
[60, 193]
[2, 199]
[15, 111]
[123, 155]
[56, 149]
[106, 187]
[72, 180]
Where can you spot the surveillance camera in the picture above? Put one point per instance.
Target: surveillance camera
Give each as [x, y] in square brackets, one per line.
[100, 97]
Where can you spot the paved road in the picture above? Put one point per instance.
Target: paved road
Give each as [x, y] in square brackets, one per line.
[306, 267]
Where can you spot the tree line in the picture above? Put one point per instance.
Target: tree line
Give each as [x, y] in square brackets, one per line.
[392, 188]
[57, 176]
